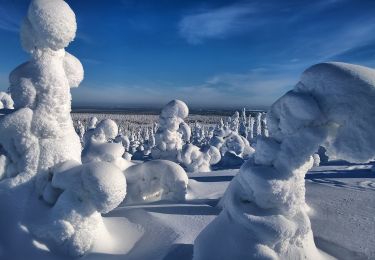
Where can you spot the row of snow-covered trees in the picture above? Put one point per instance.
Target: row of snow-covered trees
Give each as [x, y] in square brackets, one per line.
[196, 146]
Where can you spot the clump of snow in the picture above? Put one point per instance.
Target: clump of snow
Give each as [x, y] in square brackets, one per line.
[264, 206]
[173, 132]
[48, 25]
[198, 160]
[6, 101]
[156, 180]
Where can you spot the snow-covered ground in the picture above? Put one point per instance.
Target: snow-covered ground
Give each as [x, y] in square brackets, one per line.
[341, 197]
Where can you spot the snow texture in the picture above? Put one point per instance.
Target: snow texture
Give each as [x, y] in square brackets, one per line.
[156, 180]
[264, 206]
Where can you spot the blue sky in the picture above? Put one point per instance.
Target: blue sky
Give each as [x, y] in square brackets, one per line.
[208, 53]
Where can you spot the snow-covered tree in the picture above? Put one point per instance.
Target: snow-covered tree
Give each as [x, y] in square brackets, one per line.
[234, 122]
[41, 127]
[198, 160]
[264, 128]
[92, 123]
[257, 130]
[250, 134]
[264, 206]
[171, 130]
[80, 130]
[243, 129]
[6, 101]
[41, 147]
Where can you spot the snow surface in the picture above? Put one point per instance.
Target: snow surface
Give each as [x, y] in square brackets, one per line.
[340, 197]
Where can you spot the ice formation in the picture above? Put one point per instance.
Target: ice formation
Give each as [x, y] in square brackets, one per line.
[264, 215]
[198, 160]
[6, 101]
[173, 132]
[156, 180]
[39, 146]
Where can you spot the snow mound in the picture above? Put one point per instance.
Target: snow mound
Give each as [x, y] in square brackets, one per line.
[264, 206]
[83, 192]
[156, 180]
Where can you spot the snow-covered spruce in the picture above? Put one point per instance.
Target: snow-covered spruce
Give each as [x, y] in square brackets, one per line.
[40, 147]
[40, 133]
[198, 160]
[100, 147]
[264, 207]
[6, 101]
[234, 148]
[173, 132]
[156, 180]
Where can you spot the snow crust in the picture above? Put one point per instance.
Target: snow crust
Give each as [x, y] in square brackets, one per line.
[264, 206]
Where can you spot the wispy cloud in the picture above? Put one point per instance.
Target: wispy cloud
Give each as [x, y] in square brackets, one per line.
[216, 23]
[9, 22]
[255, 88]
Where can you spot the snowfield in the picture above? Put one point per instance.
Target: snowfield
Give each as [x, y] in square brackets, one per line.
[341, 198]
[253, 186]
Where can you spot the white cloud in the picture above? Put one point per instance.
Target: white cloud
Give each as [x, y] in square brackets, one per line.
[217, 23]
